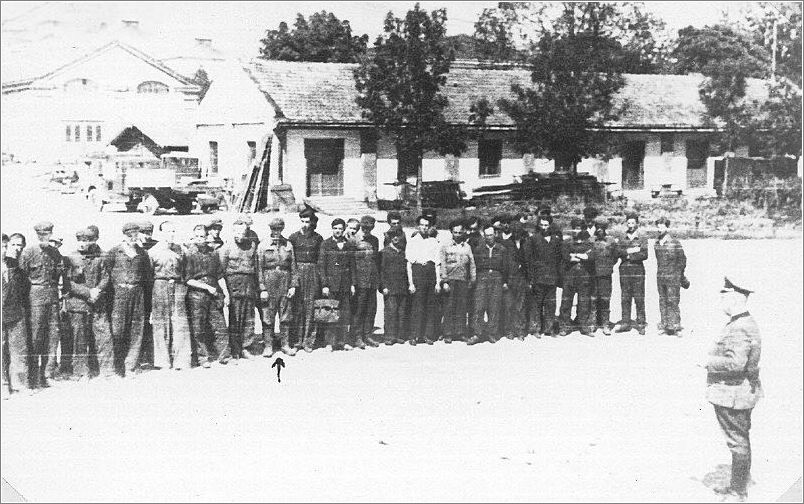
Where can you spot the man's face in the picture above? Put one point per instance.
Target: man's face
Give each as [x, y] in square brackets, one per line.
[305, 222]
[489, 236]
[84, 244]
[367, 228]
[731, 302]
[169, 234]
[395, 223]
[5, 248]
[424, 226]
[457, 233]
[352, 228]
[44, 237]
[396, 240]
[474, 228]
[544, 227]
[132, 237]
[631, 225]
[662, 227]
[215, 232]
[506, 227]
[210, 239]
[239, 232]
[15, 246]
[276, 232]
[337, 231]
[199, 236]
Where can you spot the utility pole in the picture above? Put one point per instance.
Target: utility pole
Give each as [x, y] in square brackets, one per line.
[773, 52]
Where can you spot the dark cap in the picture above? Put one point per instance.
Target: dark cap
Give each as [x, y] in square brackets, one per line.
[601, 222]
[577, 222]
[734, 282]
[84, 234]
[276, 224]
[367, 220]
[632, 215]
[43, 227]
[146, 226]
[94, 230]
[244, 219]
[338, 222]
[393, 215]
[130, 226]
[308, 211]
[215, 223]
[590, 212]
[545, 209]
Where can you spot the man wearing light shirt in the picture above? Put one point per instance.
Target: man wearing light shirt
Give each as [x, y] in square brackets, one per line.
[424, 281]
[458, 273]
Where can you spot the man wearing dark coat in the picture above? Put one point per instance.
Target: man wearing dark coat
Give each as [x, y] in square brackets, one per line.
[338, 277]
[544, 261]
[670, 265]
[306, 247]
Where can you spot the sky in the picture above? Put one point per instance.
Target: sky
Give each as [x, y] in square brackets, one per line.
[237, 26]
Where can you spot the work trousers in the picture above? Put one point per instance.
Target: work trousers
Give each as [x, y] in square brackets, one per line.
[423, 313]
[601, 301]
[241, 324]
[303, 327]
[515, 307]
[128, 324]
[45, 335]
[90, 338]
[335, 334]
[488, 302]
[147, 347]
[171, 328]
[365, 311]
[736, 425]
[669, 297]
[632, 286]
[580, 285]
[16, 349]
[543, 309]
[454, 326]
[269, 309]
[396, 315]
[207, 327]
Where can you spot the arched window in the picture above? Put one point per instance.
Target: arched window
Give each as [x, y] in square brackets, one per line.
[80, 86]
[152, 87]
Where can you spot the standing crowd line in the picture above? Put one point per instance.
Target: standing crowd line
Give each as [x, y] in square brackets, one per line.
[160, 304]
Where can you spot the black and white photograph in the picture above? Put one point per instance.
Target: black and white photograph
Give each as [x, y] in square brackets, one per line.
[399, 251]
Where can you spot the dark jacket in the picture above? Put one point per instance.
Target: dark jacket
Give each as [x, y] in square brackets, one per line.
[128, 270]
[277, 267]
[518, 257]
[204, 265]
[733, 365]
[576, 268]
[367, 261]
[545, 260]
[393, 271]
[86, 271]
[43, 266]
[15, 291]
[336, 267]
[306, 246]
[670, 259]
[633, 260]
[495, 259]
[239, 263]
[604, 256]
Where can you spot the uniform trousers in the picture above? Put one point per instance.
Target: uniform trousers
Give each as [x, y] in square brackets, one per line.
[365, 311]
[396, 315]
[207, 327]
[454, 326]
[736, 425]
[269, 309]
[601, 300]
[422, 312]
[543, 309]
[241, 323]
[16, 349]
[488, 302]
[91, 337]
[669, 297]
[128, 324]
[45, 335]
[632, 286]
[171, 328]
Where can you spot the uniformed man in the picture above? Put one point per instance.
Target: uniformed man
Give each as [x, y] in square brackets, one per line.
[171, 328]
[43, 265]
[214, 230]
[146, 234]
[393, 284]
[424, 282]
[207, 295]
[306, 247]
[239, 263]
[147, 242]
[670, 265]
[130, 269]
[544, 261]
[336, 266]
[88, 321]
[603, 258]
[577, 279]
[16, 338]
[394, 222]
[367, 264]
[458, 273]
[514, 321]
[733, 385]
[103, 365]
[492, 261]
[632, 251]
[278, 282]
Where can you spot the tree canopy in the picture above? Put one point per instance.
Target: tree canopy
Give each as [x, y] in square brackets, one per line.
[323, 38]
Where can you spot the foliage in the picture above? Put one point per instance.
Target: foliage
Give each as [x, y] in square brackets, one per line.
[702, 50]
[322, 38]
[779, 127]
[788, 19]
[202, 79]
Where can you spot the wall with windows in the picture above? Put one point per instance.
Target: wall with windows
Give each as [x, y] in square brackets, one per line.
[295, 164]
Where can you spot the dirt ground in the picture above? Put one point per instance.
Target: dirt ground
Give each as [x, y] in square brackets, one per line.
[619, 418]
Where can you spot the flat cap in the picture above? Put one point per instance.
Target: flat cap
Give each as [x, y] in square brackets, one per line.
[529, 225]
[276, 224]
[94, 230]
[590, 212]
[577, 222]
[601, 222]
[146, 226]
[215, 223]
[58, 240]
[545, 209]
[736, 282]
[130, 226]
[308, 211]
[84, 234]
[244, 219]
[632, 215]
[43, 227]
[367, 220]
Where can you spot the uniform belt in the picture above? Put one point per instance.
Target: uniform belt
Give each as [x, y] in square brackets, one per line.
[168, 279]
[123, 284]
[44, 284]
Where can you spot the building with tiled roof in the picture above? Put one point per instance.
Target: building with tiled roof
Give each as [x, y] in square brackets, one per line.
[324, 146]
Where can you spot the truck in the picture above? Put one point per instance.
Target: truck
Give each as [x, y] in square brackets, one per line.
[145, 184]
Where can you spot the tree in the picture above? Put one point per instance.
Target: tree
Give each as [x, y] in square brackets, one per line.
[399, 89]
[324, 38]
[780, 120]
[702, 50]
[202, 79]
[787, 16]
[575, 75]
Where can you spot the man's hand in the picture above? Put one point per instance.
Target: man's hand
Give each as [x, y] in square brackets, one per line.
[226, 300]
[446, 287]
[385, 292]
[212, 290]
[325, 291]
[505, 286]
[437, 288]
[352, 290]
[412, 289]
[291, 292]
[94, 294]
[264, 296]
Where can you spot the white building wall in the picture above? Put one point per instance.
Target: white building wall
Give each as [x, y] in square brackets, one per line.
[295, 165]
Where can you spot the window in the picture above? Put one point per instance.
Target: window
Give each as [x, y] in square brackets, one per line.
[152, 87]
[77, 133]
[213, 157]
[667, 142]
[98, 133]
[252, 152]
[69, 132]
[489, 153]
[89, 133]
[697, 152]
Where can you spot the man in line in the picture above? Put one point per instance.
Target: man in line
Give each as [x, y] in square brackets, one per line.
[423, 278]
[279, 280]
[306, 247]
[514, 323]
[670, 265]
[544, 261]
[577, 279]
[336, 265]
[733, 385]
[16, 339]
[367, 259]
[458, 273]
[493, 265]
[207, 295]
[239, 263]
[633, 251]
[214, 231]
[394, 222]
[394, 287]
[43, 265]
[129, 268]
[603, 258]
[88, 322]
[147, 242]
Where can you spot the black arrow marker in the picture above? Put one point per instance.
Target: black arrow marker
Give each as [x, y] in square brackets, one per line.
[278, 364]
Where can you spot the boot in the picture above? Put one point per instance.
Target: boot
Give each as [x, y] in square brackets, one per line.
[290, 352]
[740, 473]
[359, 343]
[371, 342]
[474, 340]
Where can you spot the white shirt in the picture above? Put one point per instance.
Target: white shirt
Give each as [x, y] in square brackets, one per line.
[421, 250]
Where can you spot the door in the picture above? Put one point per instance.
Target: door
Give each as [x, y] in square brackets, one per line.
[633, 165]
[697, 152]
[324, 166]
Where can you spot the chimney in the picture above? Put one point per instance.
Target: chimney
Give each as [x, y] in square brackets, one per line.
[131, 23]
[203, 42]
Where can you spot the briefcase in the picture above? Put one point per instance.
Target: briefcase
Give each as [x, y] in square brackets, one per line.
[326, 311]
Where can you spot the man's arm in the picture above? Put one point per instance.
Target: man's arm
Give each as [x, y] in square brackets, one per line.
[735, 356]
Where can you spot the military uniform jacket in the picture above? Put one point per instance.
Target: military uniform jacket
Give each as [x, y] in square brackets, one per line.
[86, 271]
[670, 259]
[128, 270]
[633, 260]
[393, 271]
[306, 247]
[168, 261]
[204, 265]
[43, 266]
[545, 260]
[576, 268]
[336, 266]
[733, 365]
[15, 291]
[277, 267]
[367, 261]
[239, 263]
[603, 256]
